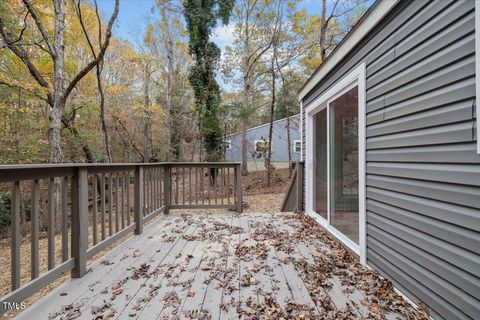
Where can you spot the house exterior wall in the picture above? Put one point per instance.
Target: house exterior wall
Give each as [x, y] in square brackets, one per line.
[422, 166]
[279, 141]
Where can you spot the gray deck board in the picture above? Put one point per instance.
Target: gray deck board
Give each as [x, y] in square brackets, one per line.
[231, 289]
[191, 270]
[205, 290]
[216, 279]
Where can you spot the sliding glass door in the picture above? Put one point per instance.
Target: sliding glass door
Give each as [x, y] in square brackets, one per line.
[320, 177]
[344, 164]
[335, 160]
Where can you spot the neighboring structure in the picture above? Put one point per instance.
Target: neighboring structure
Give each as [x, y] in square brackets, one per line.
[391, 149]
[257, 139]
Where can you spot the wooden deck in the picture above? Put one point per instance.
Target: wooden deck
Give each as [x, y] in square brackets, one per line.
[224, 266]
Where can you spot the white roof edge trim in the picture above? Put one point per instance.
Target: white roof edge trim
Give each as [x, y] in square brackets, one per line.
[263, 125]
[379, 10]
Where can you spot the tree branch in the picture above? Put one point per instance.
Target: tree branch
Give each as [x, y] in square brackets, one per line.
[40, 26]
[99, 57]
[22, 55]
[78, 9]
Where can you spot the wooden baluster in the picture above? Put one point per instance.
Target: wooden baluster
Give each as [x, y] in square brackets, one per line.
[110, 204]
[122, 189]
[16, 235]
[159, 182]
[138, 201]
[145, 172]
[147, 191]
[161, 172]
[155, 185]
[202, 183]
[117, 200]
[209, 184]
[109, 199]
[167, 188]
[222, 184]
[153, 197]
[95, 210]
[150, 191]
[51, 224]
[103, 204]
[196, 185]
[183, 185]
[214, 184]
[128, 198]
[64, 220]
[160, 187]
[238, 188]
[189, 185]
[35, 210]
[228, 185]
[176, 185]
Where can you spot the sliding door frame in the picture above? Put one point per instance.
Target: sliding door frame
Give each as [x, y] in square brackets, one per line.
[355, 78]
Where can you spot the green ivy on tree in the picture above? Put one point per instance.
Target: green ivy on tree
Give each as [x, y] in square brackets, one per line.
[201, 17]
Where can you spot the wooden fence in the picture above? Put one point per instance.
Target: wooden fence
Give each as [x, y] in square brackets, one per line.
[68, 213]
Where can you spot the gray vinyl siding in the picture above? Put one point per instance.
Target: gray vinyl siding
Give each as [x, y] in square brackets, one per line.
[423, 172]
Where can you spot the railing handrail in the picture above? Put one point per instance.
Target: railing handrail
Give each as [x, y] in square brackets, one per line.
[10, 173]
[102, 164]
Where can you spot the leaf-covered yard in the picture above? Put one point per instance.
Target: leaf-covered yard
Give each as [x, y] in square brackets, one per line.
[227, 266]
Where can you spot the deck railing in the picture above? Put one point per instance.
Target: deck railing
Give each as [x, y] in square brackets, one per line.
[63, 215]
[293, 199]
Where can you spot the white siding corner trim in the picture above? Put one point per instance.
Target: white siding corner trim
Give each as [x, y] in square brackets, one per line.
[354, 78]
[477, 69]
[301, 131]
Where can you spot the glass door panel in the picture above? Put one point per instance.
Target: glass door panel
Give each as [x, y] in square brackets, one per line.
[344, 164]
[320, 158]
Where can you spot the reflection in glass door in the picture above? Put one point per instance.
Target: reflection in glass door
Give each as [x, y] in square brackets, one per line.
[336, 164]
[320, 177]
[344, 164]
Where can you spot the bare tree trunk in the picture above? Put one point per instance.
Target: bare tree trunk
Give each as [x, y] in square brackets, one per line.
[268, 159]
[287, 110]
[55, 115]
[102, 113]
[224, 141]
[244, 135]
[246, 95]
[146, 116]
[323, 30]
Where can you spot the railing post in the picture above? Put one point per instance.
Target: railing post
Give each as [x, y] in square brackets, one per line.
[238, 187]
[167, 176]
[138, 195]
[79, 221]
[300, 169]
[16, 235]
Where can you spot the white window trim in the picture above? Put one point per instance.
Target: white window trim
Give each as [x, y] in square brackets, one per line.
[228, 143]
[294, 146]
[477, 70]
[354, 78]
[255, 144]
